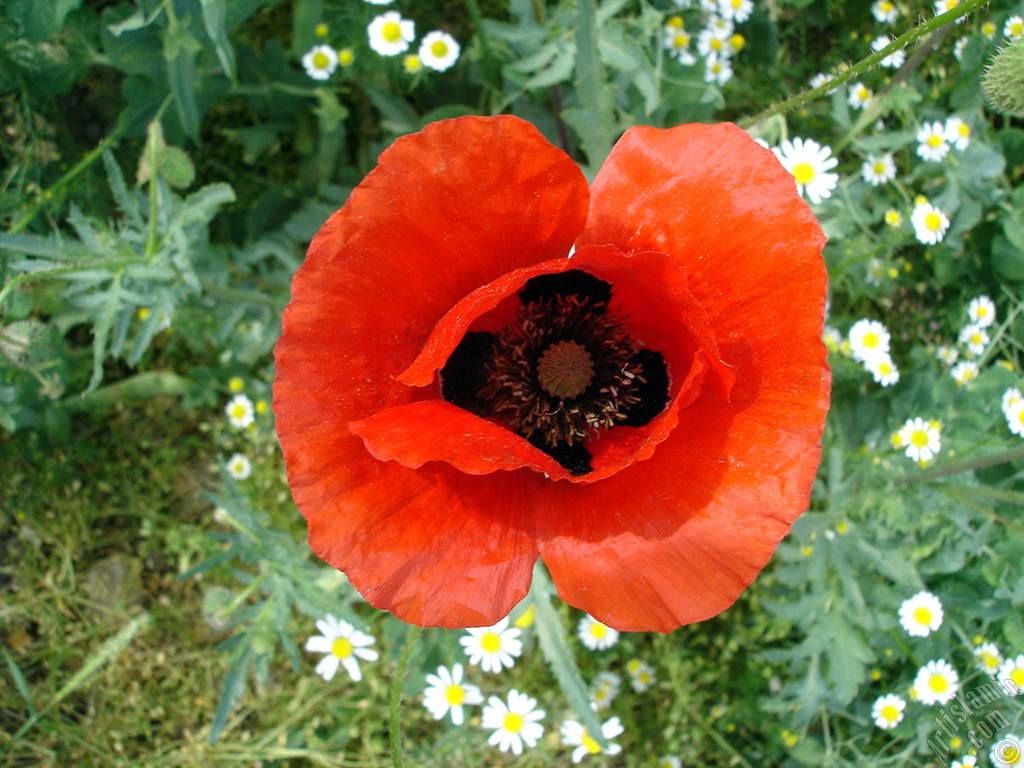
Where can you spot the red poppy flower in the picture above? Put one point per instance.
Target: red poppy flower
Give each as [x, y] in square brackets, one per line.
[459, 392]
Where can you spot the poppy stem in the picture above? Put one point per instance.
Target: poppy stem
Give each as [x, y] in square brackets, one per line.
[395, 733]
[901, 42]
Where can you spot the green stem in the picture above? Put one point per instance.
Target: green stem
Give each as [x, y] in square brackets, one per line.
[1012, 454]
[911, 35]
[395, 735]
[63, 181]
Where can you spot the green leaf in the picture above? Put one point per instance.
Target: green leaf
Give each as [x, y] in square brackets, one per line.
[19, 682]
[215, 14]
[126, 202]
[234, 686]
[180, 50]
[623, 53]
[101, 330]
[554, 645]
[40, 19]
[593, 120]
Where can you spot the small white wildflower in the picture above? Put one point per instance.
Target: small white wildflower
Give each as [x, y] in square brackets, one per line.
[883, 370]
[964, 372]
[885, 11]
[988, 658]
[342, 645]
[958, 133]
[438, 51]
[930, 224]
[975, 338]
[982, 311]
[575, 735]
[515, 723]
[810, 163]
[921, 614]
[239, 467]
[320, 62]
[895, 59]
[936, 682]
[868, 339]
[887, 711]
[878, 170]
[932, 143]
[390, 34]
[1014, 27]
[859, 96]
[240, 411]
[493, 648]
[922, 442]
[446, 693]
[595, 635]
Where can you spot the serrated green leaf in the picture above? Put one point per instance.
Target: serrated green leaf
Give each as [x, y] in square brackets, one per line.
[623, 53]
[101, 329]
[554, 645]
[126, 202]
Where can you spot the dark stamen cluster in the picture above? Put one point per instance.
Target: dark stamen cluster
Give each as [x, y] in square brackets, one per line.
[562, 371]
[582, 334]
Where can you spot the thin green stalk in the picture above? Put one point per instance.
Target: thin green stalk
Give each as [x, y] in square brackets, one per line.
[395, 734]
[911, 35]
[79, 168]
[1012, 454]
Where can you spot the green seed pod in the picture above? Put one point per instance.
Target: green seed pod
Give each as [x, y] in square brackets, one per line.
[1003, 81]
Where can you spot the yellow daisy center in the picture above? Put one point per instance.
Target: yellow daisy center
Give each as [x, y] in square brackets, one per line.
[599, 631]
[439, 49]
[681, 40]
[919, 438]
[938, 683]
[676, 22]
[884, 368]
[320, 60]
[889, 712]
[879, 168]
[513, 723]
[737, 4]
[490, 642]
[341, 647]
[886, 7]
[716, 44]
[391, 32]
[803, 173]
[346, 57]
[990, 660]
[964, 129]
[1017, 676]
[934, 140]
[737, 41]
[238, 410]
[871, 340]
[933, 221]
[454, 695]
[922, 615]
[592, 746]
[1016, 29]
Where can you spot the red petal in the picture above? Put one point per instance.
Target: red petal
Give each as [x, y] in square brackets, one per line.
[429, 225]
[676, 539]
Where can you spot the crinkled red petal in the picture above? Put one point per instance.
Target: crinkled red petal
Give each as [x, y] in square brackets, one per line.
[675, 539]
[440, 216]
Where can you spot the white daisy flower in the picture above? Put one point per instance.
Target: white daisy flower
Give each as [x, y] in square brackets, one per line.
[238, 467]
[1008, 752]
[240, 411]
[975, 338]
[988, 29]
[575, 735]
[736, 11]
[604, 689]
[885, 11]
[922, 442]
[921, 614]
[515, 723]
[967, 761]
[930, 224]
[868, 339]
[718, 70]
[446, 693]
[964, 372]
[832, 338]
[982, 311]
[342, 645]
[947, 354]
[714, 43]
[878, 170]
[936, 682]
[1015, 417]
[887, 711]
[941, 6]
[1014, 27]
[988, 658]
[1011, 675]
[895, 59]
[320, 62]
[670, 761]
[932, 143]
[677, 43]
[380, 2]
[859, 96]
[819, 80]
[641, 675]
[883, 370]
[810, 163]
[1011, 396]
[438, 51]
[493, 648]
[958, 133]
[390, 34]
[595, 635]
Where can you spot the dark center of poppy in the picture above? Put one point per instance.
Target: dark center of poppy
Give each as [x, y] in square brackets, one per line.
[562, 371]
[565, 370]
